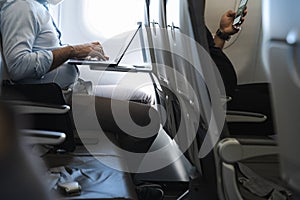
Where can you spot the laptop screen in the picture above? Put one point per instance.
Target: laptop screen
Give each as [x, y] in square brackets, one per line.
[118, 58]
[128, 42]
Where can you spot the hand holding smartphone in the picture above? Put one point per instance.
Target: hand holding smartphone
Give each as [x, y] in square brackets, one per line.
[239, 14]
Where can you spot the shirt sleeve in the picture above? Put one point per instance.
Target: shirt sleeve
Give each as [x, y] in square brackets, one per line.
[210, 38]
[19, 27]
[223, 64]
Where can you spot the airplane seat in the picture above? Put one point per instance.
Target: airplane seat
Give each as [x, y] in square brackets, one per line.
[45, 95]
[175, 176]
[80, 161]
[34, 134]
[281, 61]
[203, 181]
[51, 93]
[17, 170]
[20, 179]
[51, 113]
[252, 98]
[168, 68]
[48, 95]
[248, 98]
[159, 47]
[40, 181]
[237, 167]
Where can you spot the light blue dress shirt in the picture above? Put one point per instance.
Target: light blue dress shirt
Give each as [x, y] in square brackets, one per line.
[28, 36]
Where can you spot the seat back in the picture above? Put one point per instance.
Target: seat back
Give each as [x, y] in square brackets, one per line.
[281, 58]
[189, 75]
[17, 170]
[159, 49]
[49, 93]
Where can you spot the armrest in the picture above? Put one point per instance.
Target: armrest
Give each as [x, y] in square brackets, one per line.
[42, 137]
[24, 107]
[240, 116]
[231, 150]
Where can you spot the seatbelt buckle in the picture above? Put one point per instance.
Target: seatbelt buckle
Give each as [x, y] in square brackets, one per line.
[70, 188]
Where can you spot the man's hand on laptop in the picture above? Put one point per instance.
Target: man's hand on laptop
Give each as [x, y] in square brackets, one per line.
[90, 51]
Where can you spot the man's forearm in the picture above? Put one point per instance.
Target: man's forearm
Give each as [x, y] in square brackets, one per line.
[219, 42]
[61, 55]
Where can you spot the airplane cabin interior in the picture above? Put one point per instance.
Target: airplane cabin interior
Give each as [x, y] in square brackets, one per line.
[166, 106]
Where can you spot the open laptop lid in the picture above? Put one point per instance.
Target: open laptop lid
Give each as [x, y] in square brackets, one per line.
[110, 63]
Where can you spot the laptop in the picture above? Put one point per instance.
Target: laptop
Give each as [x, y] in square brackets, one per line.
[108, 63]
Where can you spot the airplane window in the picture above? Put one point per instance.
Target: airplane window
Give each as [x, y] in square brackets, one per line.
[107, 21]
[112, 17]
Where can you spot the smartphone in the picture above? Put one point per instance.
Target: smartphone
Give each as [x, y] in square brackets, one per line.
[239, 14]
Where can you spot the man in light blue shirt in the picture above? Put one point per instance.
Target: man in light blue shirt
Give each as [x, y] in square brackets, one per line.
[32, 51]
[31, 47]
